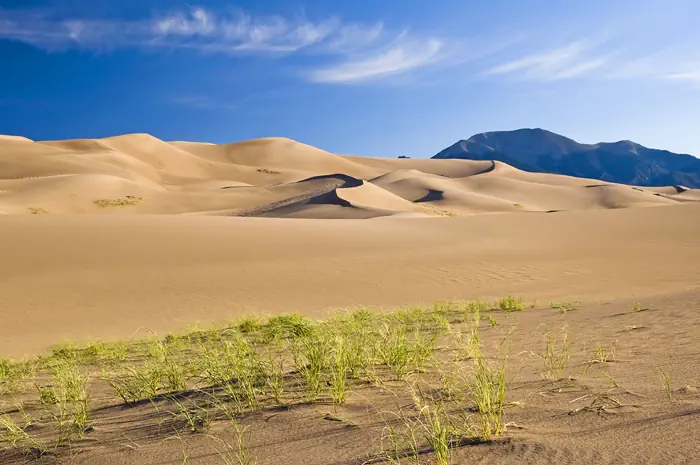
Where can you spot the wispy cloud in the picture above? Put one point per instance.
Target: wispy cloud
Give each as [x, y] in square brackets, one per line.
[693, 76]
[570, 61]
[613, 58]
[194, 28]
[401, 56]
[360, 52]
[200, 28]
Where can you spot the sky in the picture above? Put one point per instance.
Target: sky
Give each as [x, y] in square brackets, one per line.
[362, 77]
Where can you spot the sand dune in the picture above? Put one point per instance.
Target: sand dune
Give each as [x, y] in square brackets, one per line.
[138, 173]
[125, 237]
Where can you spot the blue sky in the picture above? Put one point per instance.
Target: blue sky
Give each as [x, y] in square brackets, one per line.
[365, 77]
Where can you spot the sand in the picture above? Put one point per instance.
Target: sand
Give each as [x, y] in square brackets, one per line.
[127, 236]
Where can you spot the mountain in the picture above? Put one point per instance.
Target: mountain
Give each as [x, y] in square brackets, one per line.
[539, 150]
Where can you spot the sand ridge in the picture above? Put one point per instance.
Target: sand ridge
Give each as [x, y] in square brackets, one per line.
[138, 173]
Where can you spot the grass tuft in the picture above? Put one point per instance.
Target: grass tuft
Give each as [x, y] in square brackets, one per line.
[556, 355]
[565, 306]
[667, 385]
[510, 304]
[636, 307]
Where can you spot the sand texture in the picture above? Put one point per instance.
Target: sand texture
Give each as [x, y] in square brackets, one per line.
[130, 236]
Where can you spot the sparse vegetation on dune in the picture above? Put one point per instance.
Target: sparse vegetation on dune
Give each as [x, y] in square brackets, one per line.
[564, 306]
[451, 388]
[195, 377]
[434, 211]
[636, 307]
[126, 201]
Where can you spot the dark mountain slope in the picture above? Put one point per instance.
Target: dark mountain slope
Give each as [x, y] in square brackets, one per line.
[539, 150]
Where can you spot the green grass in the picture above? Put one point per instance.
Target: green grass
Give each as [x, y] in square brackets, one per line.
[196, 418]
[510, 304]
[249, 325]
[7, 368]
[635, 307]
[311, 354]
[234, 454]
[556, 355]
[603, 352]
[565, 306]
[489, 393]
[339, 371]
[436, 431]
[66, 401]
[667, 385]
[433, 354]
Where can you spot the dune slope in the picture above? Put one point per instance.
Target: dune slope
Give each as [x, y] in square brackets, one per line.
[138, 173]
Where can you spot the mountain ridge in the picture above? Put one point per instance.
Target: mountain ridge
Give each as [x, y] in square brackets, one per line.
[540, 150]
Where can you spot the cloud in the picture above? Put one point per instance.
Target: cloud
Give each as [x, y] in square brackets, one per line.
[570, 61]
[202, 29]
[359, 52]
[197, 22]
[352, 37]
[612, 58]
[399, 57]
[196, 28]
[692, 76]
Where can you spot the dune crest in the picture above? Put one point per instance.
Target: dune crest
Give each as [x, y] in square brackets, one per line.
[138, 173]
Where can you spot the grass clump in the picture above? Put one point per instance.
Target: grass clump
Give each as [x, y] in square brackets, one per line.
[510, 304]
[667, 385]
[469, 344]
[436, 431]
[133, 383]
[249, 325]
[66, 401]
[127, 201]
[235, 367]
[17, 437]
[565, 306]
[195, 417]
[405, 352]
[489, 392]
[159, 373]
[556, 355]
[312, 361]
[7, 369]
[289, 326]
[603, 353]
[636, 307]
[339, 371]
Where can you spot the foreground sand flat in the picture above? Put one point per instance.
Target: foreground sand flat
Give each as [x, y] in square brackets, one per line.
[606, 402]
[84, 277]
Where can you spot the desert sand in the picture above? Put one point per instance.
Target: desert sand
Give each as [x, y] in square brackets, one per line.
[130, 236]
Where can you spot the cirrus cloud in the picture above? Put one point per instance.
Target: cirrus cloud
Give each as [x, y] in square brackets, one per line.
[357, 52]
[399, 57]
